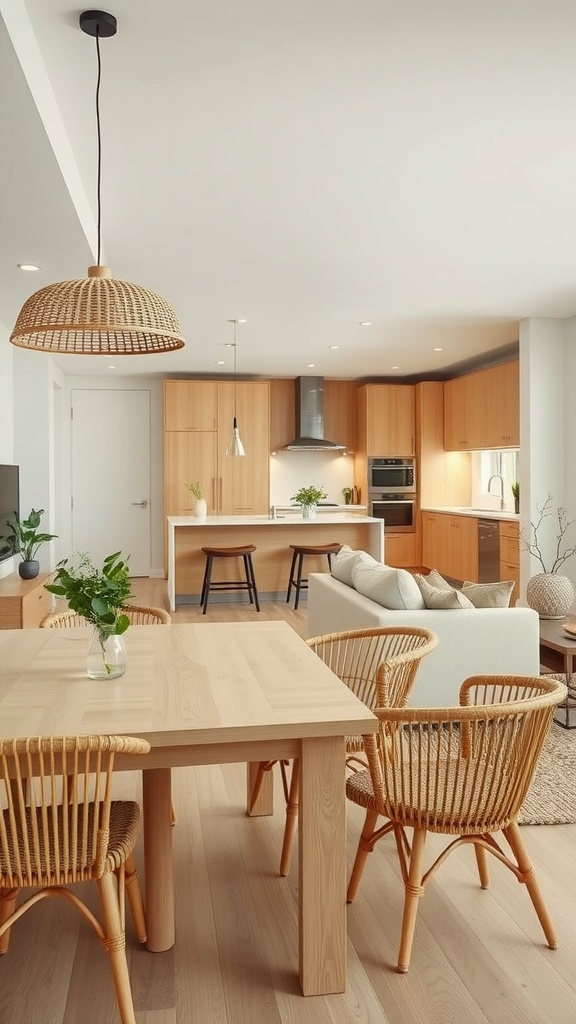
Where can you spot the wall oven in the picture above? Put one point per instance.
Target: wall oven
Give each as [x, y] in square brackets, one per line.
[396, 510]
[396, 476]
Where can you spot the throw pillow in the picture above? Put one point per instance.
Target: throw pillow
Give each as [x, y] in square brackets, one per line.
[439, 597]
[435, 579]
[392, 588]
[345, 560]
[489, 595]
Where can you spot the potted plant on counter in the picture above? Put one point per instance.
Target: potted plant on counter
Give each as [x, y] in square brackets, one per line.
[516, 495]
[199, 507]
[99, 596]
[308, 498]
[26, 538]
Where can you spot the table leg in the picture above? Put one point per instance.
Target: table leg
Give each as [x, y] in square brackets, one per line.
[322, 856]
[158, 866]
[564, 709]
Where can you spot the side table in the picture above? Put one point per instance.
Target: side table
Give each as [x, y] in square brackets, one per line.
[557, 651]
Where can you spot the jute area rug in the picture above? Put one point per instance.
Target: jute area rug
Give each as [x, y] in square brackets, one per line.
[551, 798]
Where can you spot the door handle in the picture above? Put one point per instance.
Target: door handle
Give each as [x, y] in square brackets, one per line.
[141, 504]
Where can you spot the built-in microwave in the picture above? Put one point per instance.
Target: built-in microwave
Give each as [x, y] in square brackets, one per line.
[392, 475]
[396, 510]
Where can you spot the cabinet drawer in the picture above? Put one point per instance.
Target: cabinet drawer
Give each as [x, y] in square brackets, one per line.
[511, 572]
[35, 606]
[510, 550]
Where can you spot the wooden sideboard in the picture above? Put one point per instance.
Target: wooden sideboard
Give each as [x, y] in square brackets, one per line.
[23, 603]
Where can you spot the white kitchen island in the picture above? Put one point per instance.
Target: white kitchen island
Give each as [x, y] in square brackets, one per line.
[272, 537]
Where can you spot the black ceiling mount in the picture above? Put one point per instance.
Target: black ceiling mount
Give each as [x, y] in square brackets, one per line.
[98, 23]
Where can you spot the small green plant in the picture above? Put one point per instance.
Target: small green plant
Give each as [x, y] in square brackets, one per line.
[347, 495]
[515, 489]
[195, 489]
[308, 495]
[99, 595]
[25, 537]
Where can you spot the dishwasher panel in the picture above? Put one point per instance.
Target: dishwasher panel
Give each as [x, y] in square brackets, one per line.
[488, 551]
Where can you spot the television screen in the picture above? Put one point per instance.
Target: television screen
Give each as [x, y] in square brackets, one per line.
[9, 506]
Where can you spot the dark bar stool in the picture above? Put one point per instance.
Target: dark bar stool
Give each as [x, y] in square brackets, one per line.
[300, 551]
[248, 584]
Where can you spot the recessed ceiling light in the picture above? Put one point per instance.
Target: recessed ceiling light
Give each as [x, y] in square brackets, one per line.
[334, 347]
[28, 266]
[220, 362]
[111, 366]
[241, 321]
[229, 344]
[310, 365]
[366, 323]
[394, 367]
[438, 348]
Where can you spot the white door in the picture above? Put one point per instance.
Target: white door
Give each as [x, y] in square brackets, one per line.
[111, 475]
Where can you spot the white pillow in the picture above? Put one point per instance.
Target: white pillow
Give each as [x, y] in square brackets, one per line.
[440, 597]
[345, 560]
[437, 580]
[393, 588]
[489, 595]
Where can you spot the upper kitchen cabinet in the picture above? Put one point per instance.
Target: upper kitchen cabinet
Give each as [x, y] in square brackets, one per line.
[481, 410]
[340, 412]
[386, 419]
[190, 404]
[244, 481]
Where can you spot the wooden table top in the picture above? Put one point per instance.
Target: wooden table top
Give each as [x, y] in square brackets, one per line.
[184, 684]
[552, 634]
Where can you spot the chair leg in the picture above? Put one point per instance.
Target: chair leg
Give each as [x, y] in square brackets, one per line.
[291, 819]
[115, 946]
[264, 766]
[7, 907]
[253, 579]
[299, 579]
[528, 876]
[134, 895]
[291, 580]
[206, 584]
[413, 891]
[364, 848]
[482, 864]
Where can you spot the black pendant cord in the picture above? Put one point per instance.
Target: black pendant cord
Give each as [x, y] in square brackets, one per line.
[235, 376]
[99, 137]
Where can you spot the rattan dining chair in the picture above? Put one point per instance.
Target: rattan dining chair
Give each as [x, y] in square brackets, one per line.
[139, 615]
[462, 772]
[379, 665]
[59, 826]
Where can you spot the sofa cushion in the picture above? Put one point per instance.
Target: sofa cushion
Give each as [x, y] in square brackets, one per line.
[489, 595]
[392, 588]
[345, 560]
[440, 597]
[435, 579]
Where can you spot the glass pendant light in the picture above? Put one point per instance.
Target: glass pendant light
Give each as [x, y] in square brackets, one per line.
[98, 314]
[235, 446]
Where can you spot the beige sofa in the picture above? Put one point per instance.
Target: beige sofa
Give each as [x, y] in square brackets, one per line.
[471, 640]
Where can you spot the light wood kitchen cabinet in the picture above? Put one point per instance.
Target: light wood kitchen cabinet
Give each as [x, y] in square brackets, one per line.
[510, 556]
[481, 410]
[340, 413]
[24, 603]
[386, 419]
[450, 545]
[231, 485]
[190, 404]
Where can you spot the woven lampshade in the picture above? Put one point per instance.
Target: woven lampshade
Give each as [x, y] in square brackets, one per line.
[97, 315]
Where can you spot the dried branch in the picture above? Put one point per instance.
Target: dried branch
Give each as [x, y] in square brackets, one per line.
[533, 545]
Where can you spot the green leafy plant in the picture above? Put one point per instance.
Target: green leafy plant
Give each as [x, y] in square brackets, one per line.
[347, 495]
[534, 545]
[515, 489]
[25, 537]
[195, 489]
[99, 595]
[308, 495]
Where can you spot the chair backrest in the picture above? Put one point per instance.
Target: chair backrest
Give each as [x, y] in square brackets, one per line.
[56, 793]
[139, 615]
[379, 664]
[465, 768]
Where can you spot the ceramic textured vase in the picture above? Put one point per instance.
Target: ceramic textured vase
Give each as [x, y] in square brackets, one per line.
[28, 570]
[199, 508]
[308, 511]
[550, 595]
[106, 656]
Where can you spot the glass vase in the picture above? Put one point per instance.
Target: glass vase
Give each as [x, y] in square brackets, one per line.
[308, 511]
[106, 656]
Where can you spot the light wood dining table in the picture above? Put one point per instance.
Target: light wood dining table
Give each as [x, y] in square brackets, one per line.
[211, 693]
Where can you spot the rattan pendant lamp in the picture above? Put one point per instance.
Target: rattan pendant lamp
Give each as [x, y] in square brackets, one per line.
[97, 315]
[235, 446]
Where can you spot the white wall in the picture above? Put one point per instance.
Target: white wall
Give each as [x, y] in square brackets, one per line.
[6, 416]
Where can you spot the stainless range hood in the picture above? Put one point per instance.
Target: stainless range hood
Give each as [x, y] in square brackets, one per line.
[310, 418]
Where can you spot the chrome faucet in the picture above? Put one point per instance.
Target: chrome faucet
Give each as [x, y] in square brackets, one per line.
[496, 476]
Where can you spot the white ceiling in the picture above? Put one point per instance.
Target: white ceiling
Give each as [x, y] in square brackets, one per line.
[304, 165]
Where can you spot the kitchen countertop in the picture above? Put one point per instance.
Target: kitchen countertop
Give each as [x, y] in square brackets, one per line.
[294, 518]
[478, 513]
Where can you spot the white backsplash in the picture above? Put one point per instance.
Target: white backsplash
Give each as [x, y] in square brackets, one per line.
[291, 470]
